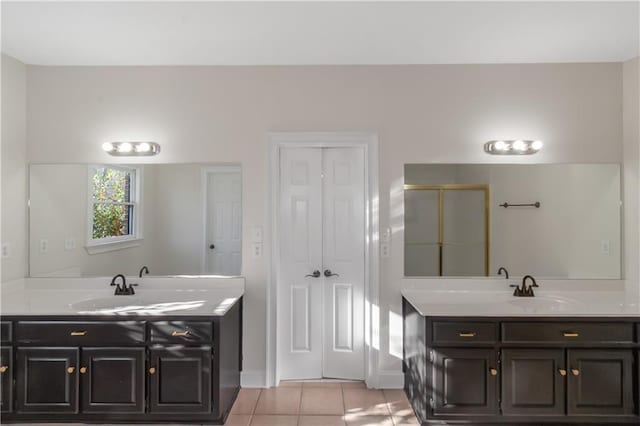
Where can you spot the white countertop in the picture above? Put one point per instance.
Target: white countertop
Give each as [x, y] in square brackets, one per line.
[205, 295]
[495, 299]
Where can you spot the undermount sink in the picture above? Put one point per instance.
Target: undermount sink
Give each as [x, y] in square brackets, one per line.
[548, 303]
[104, 303]
[129, 305]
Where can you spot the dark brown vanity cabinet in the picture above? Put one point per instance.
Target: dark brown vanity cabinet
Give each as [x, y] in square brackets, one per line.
[47, 380]
[521, 370]
[467, 379]
[104, 370]
[180, 380]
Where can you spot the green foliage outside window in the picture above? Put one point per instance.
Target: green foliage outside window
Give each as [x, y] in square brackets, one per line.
[112, 207]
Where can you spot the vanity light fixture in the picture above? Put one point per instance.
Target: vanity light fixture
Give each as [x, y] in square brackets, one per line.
[131, 149]
[512, 147]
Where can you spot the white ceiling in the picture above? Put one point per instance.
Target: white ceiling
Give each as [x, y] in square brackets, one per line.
[274, 33]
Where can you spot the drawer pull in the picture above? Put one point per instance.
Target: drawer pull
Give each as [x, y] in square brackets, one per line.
[467, 334]
[83, 370]
[570, 334]
[493, 371]
[70, 370]
[562, 372]
[575, 371]
[78, 333]
[152, 370]
[180, 333]
[4, 368]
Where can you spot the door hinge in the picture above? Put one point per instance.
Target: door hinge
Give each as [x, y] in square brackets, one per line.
[432, 403]
[432, 356]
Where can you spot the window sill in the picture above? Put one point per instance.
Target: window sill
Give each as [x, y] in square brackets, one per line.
[99, 248]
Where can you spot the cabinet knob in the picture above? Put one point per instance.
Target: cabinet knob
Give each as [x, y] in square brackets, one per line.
[180, 333]
[467, 334]
[70, 370]
[4, 368]
[562, 371]
[152, 370]
[493, 371]
[570, 334]
[83, 370]
[79, 333]
[575, 371]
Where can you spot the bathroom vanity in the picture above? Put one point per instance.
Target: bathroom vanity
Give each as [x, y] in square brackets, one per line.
[489, 357]
[171, 353]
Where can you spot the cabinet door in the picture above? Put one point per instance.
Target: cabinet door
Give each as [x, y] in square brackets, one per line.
[6, 380]
[180, 380]
[47, 381]
[533, 381]
[112, 380]
[600, 382]
[465, 381]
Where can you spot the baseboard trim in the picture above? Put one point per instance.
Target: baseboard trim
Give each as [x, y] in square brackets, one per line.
[253, 379]
[388, 379]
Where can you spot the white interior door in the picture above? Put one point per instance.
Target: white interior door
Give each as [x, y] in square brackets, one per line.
[321, 231]
[299, 313]
[223, 250]
[343, 262]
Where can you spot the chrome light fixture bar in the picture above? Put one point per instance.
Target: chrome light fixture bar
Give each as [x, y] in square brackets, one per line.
[131, 149]
[515, 147]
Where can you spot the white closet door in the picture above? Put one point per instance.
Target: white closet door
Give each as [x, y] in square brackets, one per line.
[300, 296]
[224, 227]
[343, 254]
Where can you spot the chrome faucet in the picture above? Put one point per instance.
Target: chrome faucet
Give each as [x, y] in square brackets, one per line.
[144, 270]
[122, 289]
[524, 290]
[506, 273]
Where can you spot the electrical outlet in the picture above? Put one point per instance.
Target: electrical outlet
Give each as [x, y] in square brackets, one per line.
[605, 247]
[256, 235]
[385, 236]
[384, 250]
[44, 246]
[69, 244]
[6, 250]
[256, 251]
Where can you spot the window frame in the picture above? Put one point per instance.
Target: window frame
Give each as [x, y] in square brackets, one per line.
[102, 245]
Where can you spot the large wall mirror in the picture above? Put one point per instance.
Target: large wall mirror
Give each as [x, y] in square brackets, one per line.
[549, 220]
[100, 220]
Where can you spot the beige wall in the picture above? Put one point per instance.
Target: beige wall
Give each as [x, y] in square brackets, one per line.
[14, 168]
[631, 162]
[421, 114]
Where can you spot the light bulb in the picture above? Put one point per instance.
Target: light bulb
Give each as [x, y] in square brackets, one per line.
[107, 146]
[519, 145]
[125, 147]
[501, 146]
[143, 147]
[537, 145]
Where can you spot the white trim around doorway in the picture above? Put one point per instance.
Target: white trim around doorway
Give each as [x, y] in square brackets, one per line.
[368, 142]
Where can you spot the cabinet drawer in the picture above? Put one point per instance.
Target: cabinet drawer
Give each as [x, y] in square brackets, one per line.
[445, 332]
[71, 333]
[5, 331]
[181, 332]
[567, 332]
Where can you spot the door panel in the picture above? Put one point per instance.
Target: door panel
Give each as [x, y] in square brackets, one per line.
[6, 379]
[55, 367]
[181, 381]
[463, 382]
[113, 381]
[343, 255]
[600, 382]
[533, 382]
[300, 295]
[224, 223]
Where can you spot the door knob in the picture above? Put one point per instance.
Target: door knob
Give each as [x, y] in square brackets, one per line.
[212, 246]
[328, 273]
[315, 274]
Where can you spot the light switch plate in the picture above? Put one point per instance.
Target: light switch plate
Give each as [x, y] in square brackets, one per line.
[384, 250]
[256, 234]
[69, 244]
[605, 247]
[44, 245]
[385, 235]
[256, 251]
[6, 250]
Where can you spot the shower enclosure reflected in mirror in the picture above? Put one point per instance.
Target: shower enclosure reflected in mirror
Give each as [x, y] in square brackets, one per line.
[102, 219]
[550, 220]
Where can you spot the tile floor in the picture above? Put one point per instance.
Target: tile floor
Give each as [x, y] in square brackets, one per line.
[321, 403]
